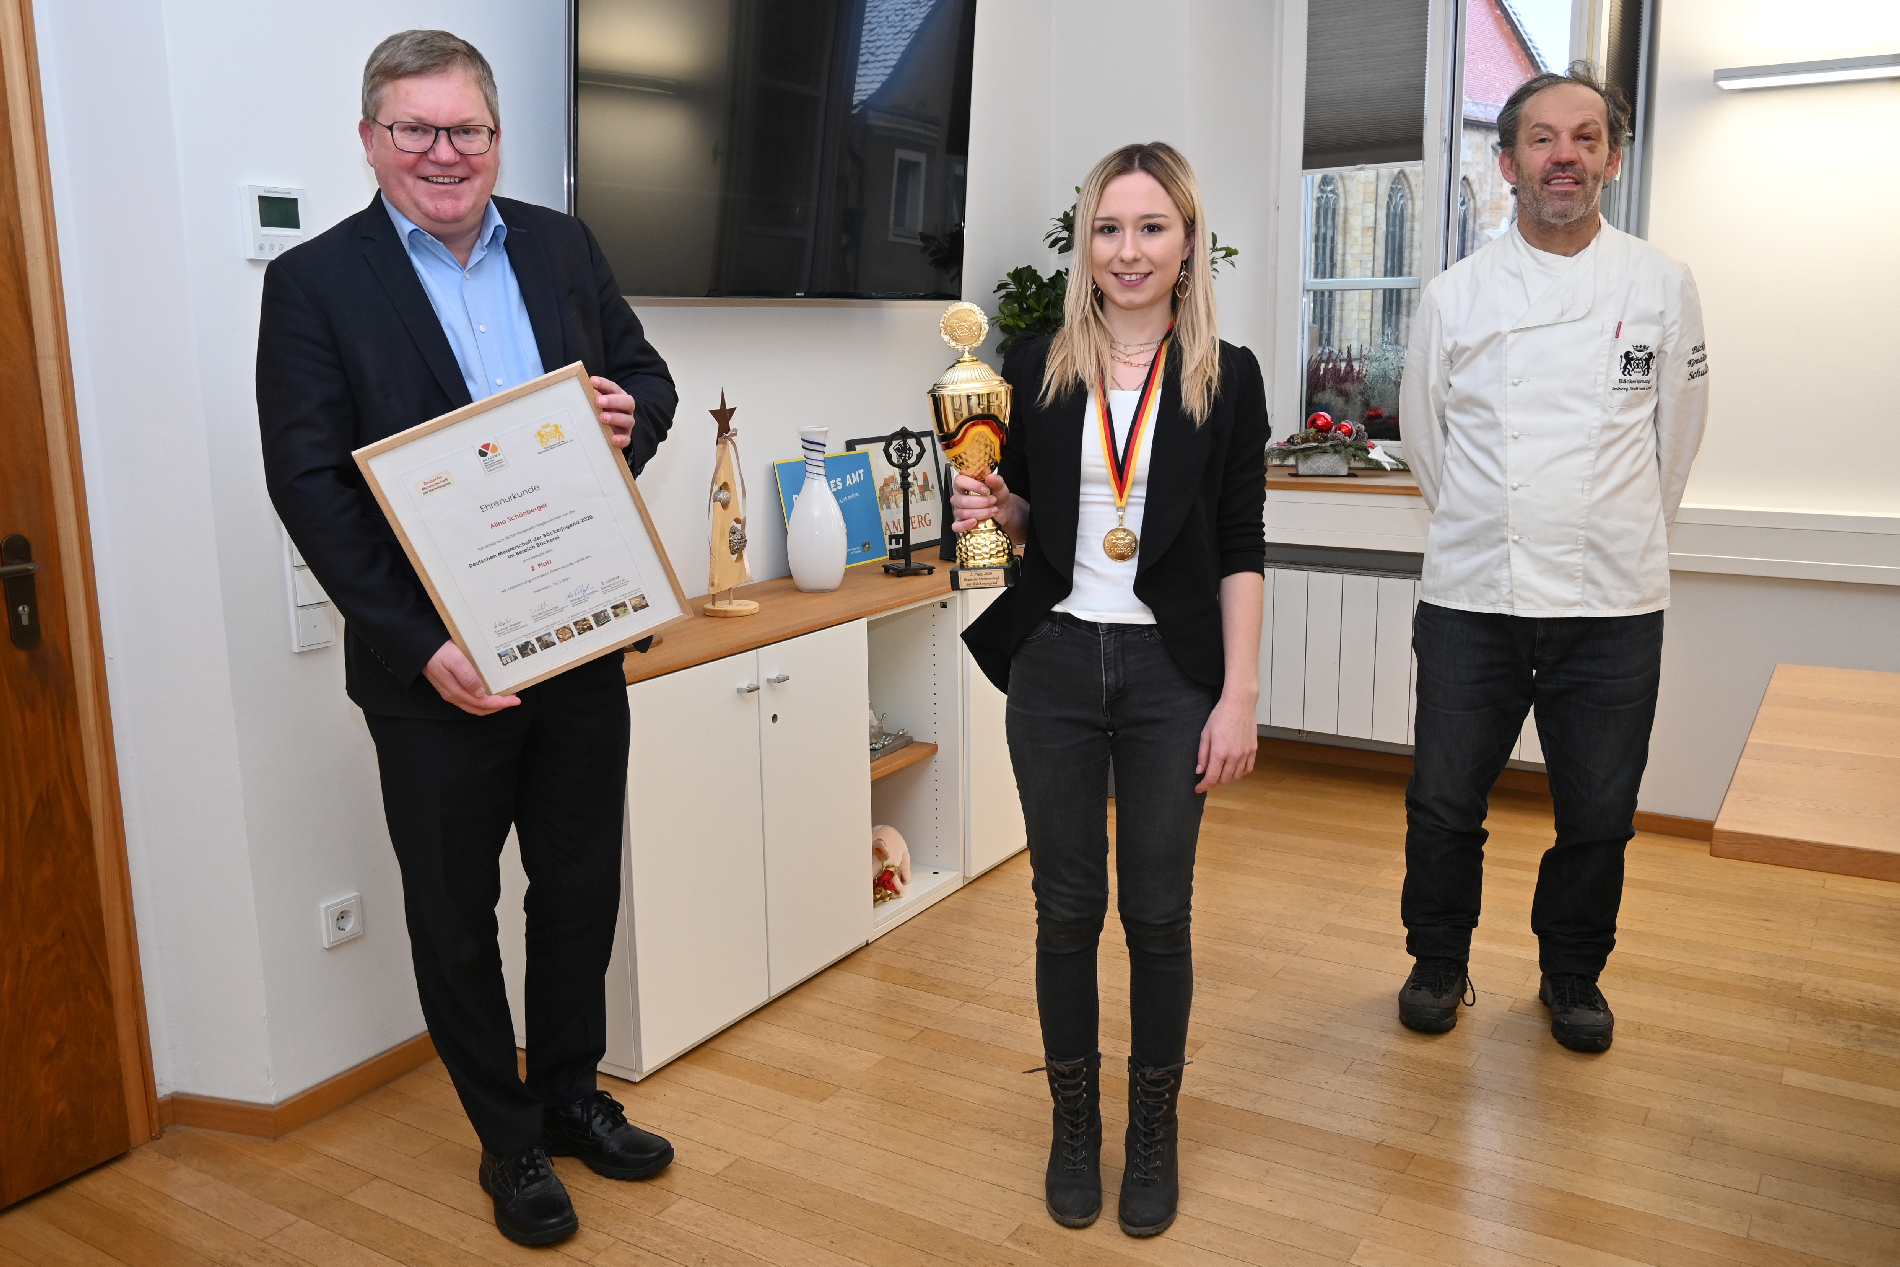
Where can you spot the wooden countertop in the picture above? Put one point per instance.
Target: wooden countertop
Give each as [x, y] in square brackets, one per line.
[1388, 483]
[1818, 784]
[784, 612]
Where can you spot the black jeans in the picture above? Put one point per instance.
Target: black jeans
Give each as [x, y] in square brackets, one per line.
[1593, 680]
[555, 767]
[1081, 694]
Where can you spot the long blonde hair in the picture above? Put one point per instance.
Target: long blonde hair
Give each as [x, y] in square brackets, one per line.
[1079, 357]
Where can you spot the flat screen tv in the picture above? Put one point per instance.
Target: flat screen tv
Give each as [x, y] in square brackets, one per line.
[775, 148]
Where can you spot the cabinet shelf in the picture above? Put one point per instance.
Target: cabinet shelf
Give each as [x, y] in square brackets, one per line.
[926, 889]
[891, 762]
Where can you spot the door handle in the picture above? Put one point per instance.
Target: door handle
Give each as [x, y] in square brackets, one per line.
[22, 594]
[748, 688]
[779, 679]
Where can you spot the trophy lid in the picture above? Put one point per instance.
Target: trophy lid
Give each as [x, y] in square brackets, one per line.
[964, 326]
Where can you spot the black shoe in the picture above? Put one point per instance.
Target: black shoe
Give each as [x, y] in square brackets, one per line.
[1428, 1001]
[1072, 1188]
[531, 1203]
[595, 1129]
[1579, 1017]
[1151, 1177]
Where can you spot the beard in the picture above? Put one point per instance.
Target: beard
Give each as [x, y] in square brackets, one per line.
[1536, 201]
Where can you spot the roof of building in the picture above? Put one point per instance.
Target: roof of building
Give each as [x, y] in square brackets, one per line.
[1498, 57]
[889, 27]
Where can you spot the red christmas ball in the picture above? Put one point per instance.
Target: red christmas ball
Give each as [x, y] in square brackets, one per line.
[1374, 414]
[1343, 430]
[1319, 421]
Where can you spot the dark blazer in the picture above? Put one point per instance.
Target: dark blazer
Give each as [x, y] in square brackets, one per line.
[1202, 521]
[349, 351]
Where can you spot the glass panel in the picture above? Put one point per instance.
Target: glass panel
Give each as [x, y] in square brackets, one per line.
[1505, 44]
[1362, 223]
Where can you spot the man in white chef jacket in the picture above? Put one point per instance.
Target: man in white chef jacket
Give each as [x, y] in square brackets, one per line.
[1555, 391]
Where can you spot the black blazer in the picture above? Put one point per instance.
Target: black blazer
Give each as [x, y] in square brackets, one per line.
[349, 351]
[1207, 489]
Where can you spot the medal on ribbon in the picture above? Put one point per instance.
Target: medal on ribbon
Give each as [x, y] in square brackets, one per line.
[1121, 543]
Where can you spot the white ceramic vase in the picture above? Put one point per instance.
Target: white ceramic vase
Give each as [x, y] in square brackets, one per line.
[815, 540]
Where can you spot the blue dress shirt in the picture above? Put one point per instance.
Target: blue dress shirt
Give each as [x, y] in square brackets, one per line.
[479, 306]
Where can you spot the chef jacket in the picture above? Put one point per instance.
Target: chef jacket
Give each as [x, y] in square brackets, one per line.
[1551, 408]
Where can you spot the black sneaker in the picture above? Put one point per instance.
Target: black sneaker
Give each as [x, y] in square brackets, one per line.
[1428, 1001]
[1579, 1016]
[595, 1129]
[531, 1202]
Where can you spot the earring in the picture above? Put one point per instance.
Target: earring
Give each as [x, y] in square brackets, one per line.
[1182, 284]
[1097, 296]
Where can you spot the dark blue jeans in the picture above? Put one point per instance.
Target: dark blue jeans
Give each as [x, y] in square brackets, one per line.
[1593, 680]
[1081, 694]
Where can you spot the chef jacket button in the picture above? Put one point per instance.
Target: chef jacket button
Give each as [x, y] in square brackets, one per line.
[1515, 484]
[1516, 537]
[1517, 382]
[1517, 435]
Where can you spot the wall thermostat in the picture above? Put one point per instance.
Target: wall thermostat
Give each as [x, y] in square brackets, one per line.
[273, 220]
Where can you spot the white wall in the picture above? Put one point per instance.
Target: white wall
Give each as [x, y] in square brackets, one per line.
[249, 779]
[1781, 202]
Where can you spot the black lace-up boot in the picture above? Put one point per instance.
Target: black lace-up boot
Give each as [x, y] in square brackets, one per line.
[595, 1129]
[1428, 1001]
[531, 1202]
[1580, 1017]
[1151, 1178]
[1073, 1186]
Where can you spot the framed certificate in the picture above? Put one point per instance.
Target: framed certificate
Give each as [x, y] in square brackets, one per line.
[524, 523]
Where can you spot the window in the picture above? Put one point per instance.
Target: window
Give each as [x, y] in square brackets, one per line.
[1393, 309]
[907, 195]
[1325, 258]
[1467, 219]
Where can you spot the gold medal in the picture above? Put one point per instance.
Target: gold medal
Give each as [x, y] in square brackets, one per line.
[1121, 543]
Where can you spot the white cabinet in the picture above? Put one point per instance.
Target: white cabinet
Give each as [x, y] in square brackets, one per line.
[993, 814]
[693, 922]
[750, 805]
[815, 777]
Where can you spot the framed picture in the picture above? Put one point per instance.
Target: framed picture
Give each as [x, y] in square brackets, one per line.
[926, 492]
[526, 527]
[850, 477]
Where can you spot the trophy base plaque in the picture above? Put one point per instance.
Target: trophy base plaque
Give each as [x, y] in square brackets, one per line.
[986, 578]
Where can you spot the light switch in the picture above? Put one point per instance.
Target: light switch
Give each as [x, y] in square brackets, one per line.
[315, 629]
[305, 583]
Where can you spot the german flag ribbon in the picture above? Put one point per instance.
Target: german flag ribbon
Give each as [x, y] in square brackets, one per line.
[1121, 465]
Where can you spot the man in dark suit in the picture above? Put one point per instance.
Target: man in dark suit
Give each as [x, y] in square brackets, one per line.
[434, 295]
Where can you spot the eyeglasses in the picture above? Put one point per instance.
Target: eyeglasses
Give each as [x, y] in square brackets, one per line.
[419, 138]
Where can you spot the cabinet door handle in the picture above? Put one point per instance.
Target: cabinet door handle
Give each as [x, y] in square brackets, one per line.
[779, 679]
[748, 688]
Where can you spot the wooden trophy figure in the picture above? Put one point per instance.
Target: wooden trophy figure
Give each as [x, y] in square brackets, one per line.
[905, 451]
[726, 510]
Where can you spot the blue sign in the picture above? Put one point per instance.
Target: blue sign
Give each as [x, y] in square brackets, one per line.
[850, 476]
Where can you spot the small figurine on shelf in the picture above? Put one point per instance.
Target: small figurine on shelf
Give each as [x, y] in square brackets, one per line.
[726, 509]
[905, 451]
[890, 865]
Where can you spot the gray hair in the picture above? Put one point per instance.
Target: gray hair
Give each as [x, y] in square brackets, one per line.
[1616, 106]
[409, 53]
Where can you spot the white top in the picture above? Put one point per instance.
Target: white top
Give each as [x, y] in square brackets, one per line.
[1104, 590]
[1552, 423]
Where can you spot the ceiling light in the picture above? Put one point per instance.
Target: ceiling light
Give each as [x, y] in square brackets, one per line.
[1791, 74]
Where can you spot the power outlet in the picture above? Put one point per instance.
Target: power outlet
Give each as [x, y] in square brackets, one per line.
[342, 920]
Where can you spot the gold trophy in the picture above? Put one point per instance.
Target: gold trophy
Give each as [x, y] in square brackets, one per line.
[970, 404]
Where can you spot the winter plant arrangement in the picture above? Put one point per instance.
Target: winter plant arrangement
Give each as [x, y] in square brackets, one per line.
[1031, 304]
[1325, 447]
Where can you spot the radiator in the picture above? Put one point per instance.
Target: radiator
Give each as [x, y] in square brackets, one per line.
[1336, 656]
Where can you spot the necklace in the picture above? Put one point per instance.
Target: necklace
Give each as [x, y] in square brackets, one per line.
[1121, 543]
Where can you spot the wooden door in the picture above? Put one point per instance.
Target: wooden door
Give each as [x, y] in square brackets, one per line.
[695, 855]
[815, 772]
[75, 1073]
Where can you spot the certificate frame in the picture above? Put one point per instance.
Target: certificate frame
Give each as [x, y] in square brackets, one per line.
[466, 440]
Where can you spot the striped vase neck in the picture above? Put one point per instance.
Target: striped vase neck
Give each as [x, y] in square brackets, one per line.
[813, 440]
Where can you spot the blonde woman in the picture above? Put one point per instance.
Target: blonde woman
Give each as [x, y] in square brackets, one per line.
[1134, 479]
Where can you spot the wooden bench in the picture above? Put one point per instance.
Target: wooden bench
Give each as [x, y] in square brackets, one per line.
[1818, 784]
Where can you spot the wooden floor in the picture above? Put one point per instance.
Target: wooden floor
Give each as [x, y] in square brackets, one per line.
[1749, 1112]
